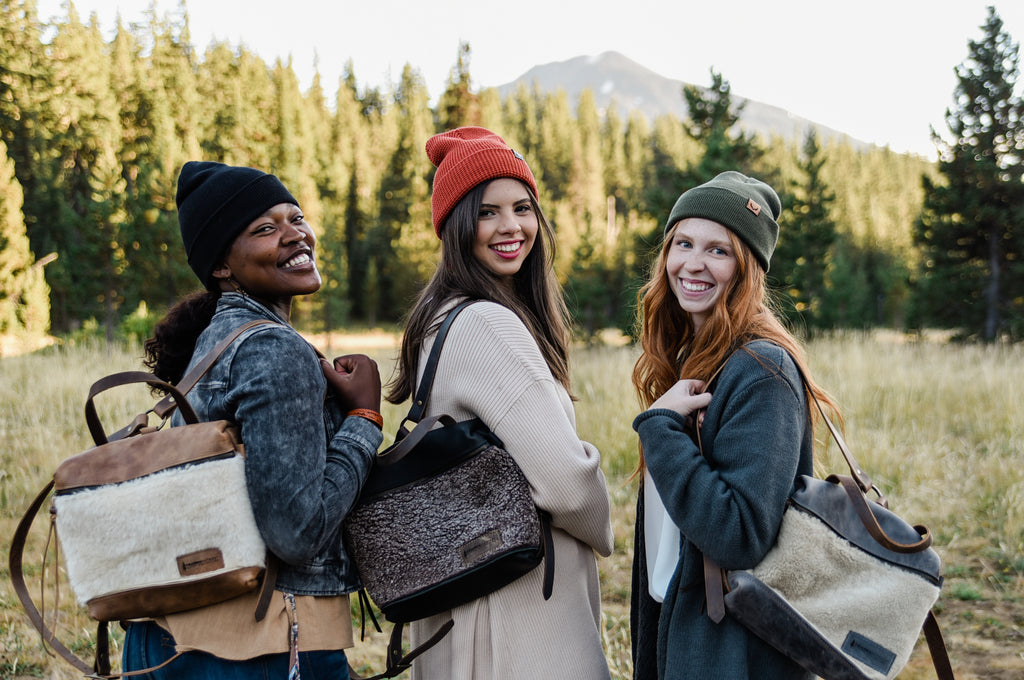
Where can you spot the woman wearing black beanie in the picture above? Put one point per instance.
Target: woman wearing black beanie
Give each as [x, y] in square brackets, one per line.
[310, 430]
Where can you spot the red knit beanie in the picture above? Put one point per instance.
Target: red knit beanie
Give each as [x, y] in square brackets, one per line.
[466, 157]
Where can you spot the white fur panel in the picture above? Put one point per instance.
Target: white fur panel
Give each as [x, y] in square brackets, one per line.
[129, 535]
[810, 566]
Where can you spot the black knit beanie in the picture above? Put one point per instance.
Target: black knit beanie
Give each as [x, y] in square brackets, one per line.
[215, 202]
[746, 206]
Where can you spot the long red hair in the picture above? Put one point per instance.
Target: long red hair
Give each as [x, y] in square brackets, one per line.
[673, 349]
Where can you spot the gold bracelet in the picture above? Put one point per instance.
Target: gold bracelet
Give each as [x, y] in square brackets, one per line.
[373, 416]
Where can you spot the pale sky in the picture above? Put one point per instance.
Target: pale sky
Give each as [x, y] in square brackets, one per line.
[879, 70]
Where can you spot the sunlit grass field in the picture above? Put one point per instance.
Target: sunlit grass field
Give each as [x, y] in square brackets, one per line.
[939, 427]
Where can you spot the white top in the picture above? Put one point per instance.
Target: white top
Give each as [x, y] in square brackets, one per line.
[661, 538]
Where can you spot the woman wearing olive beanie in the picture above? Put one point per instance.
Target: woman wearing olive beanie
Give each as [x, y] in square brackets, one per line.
[717, 360]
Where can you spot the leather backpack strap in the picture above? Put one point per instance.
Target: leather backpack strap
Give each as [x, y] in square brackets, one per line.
[21, 588]
[189, 380]
[714, 589]
[175, 397]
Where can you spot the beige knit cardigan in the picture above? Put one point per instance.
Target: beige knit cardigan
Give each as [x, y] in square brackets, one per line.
[491, 368]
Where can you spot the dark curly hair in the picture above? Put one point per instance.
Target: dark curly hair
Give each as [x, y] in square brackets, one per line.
[174, 337]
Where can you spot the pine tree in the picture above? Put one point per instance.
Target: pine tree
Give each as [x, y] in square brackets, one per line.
[339, 195]
[806, 239]
[149, 156]
[403, 242]
[554, 152]
[971, 224]
[457, 105]
[24, 296]
[83, 208]
[27, 119]
[712, 119]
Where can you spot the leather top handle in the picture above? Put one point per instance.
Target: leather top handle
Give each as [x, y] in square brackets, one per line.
[99, 436]
[175, 393]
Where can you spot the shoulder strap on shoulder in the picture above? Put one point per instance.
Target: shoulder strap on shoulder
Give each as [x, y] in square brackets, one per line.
[189, 380]
[419, 403]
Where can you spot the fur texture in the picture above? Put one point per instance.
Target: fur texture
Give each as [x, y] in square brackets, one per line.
[416, 535]
[838, 589]
[129, 535]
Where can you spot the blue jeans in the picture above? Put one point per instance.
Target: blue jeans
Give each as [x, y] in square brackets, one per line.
[147, 644]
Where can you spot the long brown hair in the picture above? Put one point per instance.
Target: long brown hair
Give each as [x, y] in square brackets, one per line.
[535, 296]
[672, 349]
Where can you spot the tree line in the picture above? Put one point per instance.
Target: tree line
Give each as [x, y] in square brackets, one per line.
[93, 133]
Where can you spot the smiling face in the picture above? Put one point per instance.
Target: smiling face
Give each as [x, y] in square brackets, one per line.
[700, 265]
[506, 227]
[272, 259]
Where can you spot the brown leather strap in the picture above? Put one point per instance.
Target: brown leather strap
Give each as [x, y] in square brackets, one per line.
[21, 589]
[176, 396]
[856, 471]
[714, 590]
[189, 380]
[860, 504]
[267, 586]
[937, 647]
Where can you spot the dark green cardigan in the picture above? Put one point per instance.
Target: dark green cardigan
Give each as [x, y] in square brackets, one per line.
[728, 503]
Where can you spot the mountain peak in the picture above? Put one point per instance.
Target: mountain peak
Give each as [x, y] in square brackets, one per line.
[614, 77]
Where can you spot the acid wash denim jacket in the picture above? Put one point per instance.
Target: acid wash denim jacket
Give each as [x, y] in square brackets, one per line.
[305, 462]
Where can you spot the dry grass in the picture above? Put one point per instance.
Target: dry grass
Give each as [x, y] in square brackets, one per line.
[939, 427]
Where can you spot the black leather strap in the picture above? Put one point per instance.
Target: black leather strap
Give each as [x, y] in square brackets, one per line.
[398, 663]
[419, 403]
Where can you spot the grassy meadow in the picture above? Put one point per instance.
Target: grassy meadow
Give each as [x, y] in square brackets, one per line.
[939, 427]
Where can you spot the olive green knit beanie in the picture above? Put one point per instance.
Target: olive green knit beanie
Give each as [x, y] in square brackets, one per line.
[746, 206]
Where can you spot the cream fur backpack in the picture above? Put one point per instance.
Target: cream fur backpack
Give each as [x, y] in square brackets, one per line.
[848, 586]
[151, 520]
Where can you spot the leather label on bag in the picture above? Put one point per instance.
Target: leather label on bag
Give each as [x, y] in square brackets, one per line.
[868, 652]
[200, 562]
[484, 544]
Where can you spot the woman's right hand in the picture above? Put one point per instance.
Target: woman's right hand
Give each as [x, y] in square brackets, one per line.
[356, 380]
[685, 397]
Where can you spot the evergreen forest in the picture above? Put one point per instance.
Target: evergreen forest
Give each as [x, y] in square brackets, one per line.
[93, 131]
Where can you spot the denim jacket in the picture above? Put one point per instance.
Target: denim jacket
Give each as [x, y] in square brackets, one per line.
[305, 461]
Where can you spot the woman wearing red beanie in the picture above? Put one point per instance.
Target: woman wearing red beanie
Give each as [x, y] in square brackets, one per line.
[505, 361]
